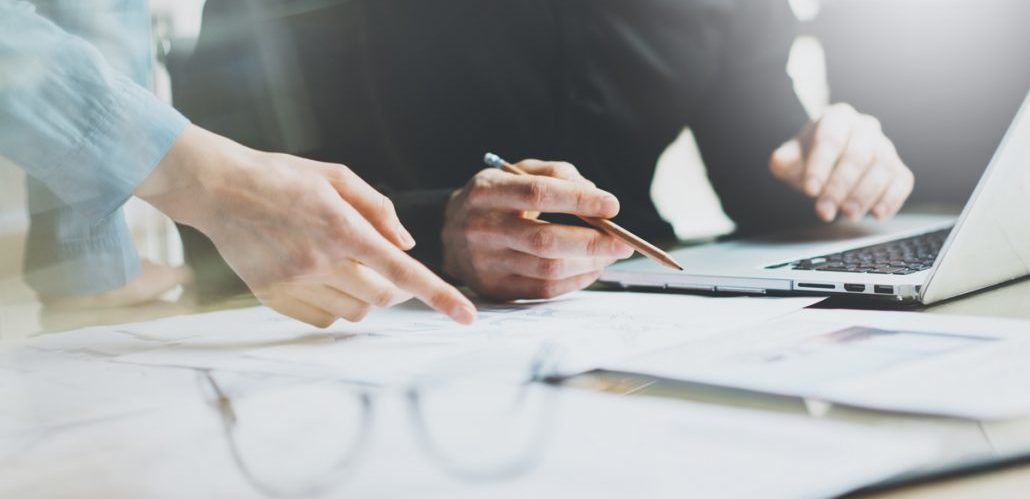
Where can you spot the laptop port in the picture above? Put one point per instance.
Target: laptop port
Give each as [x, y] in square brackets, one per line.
[815, 285]
[882, 289]
[855, 288]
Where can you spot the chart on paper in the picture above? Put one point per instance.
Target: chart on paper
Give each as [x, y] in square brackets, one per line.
[958, 366]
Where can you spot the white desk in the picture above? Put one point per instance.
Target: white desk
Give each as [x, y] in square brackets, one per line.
[963, 437]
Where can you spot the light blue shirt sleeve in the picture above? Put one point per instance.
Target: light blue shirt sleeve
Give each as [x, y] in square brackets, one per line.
[84, 130]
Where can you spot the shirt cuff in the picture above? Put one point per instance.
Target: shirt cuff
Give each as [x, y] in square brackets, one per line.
[102, 260]
[128, 139]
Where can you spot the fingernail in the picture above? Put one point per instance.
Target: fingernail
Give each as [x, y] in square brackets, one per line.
[813, 186]
[880, 211]
[405, 237]
[826, 210]
[464, 313]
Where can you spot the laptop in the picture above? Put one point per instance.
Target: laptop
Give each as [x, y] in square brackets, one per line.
[910, 258]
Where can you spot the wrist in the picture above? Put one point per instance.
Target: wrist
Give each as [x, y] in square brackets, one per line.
[185, 182]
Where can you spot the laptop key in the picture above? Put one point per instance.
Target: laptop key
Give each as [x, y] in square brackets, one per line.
[900, 257]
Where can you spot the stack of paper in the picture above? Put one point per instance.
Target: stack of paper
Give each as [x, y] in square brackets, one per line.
[394, 346]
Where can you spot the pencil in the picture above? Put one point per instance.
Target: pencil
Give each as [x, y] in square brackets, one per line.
[645, 248]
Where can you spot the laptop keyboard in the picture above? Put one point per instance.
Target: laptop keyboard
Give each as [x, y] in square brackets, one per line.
[899, 257]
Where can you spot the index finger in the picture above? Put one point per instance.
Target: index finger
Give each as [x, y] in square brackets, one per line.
[510, 192]
[408, 274]
[787, 163]
[372, 204]
[556, 169]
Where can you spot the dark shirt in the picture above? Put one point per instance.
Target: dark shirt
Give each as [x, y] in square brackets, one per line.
[411, 93]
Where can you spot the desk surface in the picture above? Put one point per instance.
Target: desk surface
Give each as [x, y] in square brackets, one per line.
[964, 438]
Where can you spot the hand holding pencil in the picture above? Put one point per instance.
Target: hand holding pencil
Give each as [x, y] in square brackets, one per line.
[494, 243]
[645, 248]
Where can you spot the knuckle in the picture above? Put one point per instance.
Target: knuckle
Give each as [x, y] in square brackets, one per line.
[336, 173]
[585, 200]
[549, 268]
[872, 122]
[306, 262]
[338, 222]
[401, 273]
[440, 300]
[860, 154]
[479, 261]
[835, 190]
[471, 224]
[880, 176]
[832, 137]
[479, 189]
[478, 227]
[907, 177]
[541, 240]
[853, 167]
[566, 169]
[844, 108]
[594, 245]
[534, 193]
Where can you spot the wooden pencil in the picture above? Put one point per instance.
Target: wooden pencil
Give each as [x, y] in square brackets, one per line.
[645, 248]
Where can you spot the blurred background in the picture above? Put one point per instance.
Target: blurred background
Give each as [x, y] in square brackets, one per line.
[944, 76]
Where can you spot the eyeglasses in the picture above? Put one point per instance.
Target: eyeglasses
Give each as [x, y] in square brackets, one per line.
[305, 437]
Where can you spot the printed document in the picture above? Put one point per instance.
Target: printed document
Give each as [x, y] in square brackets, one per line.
[913, 362]
[582, 331]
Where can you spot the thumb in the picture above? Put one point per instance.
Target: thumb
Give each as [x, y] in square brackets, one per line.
[787, 163]
[370, 203]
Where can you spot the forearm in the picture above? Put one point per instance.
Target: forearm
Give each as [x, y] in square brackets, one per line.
[750, 110]
[85, 130]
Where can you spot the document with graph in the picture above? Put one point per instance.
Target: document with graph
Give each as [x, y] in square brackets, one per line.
[935, 364]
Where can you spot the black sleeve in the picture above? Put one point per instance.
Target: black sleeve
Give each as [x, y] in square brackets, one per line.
[750, 109]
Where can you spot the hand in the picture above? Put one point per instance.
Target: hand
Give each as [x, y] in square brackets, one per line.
[847, 164]
[311, 240]
[152, 281]
[493, 242]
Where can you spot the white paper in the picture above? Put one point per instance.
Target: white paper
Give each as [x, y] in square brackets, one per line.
[46, 392]
[600, 446]
[958, 366]
[398, 344]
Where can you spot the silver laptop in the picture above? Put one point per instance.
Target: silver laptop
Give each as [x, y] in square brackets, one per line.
[911, 258]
